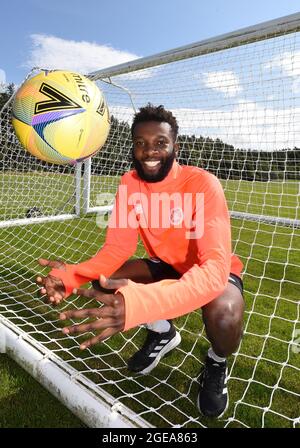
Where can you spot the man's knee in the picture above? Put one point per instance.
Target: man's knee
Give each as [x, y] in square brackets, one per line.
[225, 312]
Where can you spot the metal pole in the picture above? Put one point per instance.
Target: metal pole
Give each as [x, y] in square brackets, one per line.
[86, 185]
[265, 30]
[71, 388]
[77, 188]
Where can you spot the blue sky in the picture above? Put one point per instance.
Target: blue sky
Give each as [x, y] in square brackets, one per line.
[248, 97]
[88, 34]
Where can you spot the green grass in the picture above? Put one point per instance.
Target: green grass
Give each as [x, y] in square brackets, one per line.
[21, 191]
[24, 403]
[264, 386]
[280, 199]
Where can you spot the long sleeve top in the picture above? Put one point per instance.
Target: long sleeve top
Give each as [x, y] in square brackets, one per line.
[182, 220]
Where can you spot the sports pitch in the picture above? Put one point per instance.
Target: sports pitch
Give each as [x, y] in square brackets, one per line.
[263, 386]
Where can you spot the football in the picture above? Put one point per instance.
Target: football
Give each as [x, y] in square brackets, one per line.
[60, 117]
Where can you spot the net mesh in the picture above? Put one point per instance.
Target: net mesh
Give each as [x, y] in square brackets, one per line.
[239, 113]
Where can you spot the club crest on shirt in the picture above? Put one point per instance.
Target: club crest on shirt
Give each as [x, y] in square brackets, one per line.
[138, 208]
[176, 216]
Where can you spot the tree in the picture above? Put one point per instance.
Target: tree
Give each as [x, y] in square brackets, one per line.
[214, 155]
[9, 90]
[114, 157]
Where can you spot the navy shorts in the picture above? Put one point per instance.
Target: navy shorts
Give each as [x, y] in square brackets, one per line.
[161, 270]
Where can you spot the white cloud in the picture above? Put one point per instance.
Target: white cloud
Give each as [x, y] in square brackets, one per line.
[2, 76]
[289, 63]
[122, 113]
[247, 126]
[226, 82]
[2, 80]
[56, 53]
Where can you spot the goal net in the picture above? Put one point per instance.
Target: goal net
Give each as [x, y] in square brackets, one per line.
[237, 101]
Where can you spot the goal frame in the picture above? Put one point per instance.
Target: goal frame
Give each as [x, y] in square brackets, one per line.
[53, 373]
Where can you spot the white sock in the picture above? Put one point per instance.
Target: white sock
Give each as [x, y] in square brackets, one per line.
[215, 357]
[160, 326]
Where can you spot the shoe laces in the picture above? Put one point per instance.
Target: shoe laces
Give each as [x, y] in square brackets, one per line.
[214, 376]
[152, 340]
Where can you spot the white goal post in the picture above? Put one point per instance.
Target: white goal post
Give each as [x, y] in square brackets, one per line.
[237, 101]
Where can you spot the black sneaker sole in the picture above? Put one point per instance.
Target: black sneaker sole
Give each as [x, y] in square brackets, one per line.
[211, 416]
[167, 348]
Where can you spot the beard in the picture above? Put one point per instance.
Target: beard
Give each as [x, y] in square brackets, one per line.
[163, 171]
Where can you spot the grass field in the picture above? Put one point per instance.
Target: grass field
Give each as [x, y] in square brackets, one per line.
[19, 192]
[26, 404]
[263, 385]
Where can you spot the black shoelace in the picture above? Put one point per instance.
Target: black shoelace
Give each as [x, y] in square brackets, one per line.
[214, 376]
[153, 338]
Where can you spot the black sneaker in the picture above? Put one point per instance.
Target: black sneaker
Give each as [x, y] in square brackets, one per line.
[213, 396]
[155, 347]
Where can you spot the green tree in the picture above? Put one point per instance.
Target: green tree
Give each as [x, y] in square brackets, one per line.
[8, 91]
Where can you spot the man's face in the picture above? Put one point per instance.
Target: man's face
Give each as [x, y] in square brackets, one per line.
[154, 150]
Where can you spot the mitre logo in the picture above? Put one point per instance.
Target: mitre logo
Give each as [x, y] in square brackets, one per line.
[101, 108]
[57, 101]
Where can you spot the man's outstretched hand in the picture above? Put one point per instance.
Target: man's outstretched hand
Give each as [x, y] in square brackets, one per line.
[110, 318]
[52, 286]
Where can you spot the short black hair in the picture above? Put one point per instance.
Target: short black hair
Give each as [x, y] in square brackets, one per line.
[155, 113]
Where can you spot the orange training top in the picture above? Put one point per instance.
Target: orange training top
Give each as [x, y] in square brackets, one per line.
[184, 221]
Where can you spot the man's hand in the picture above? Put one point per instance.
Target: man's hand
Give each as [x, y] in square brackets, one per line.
[52, 286]
[110, 317]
